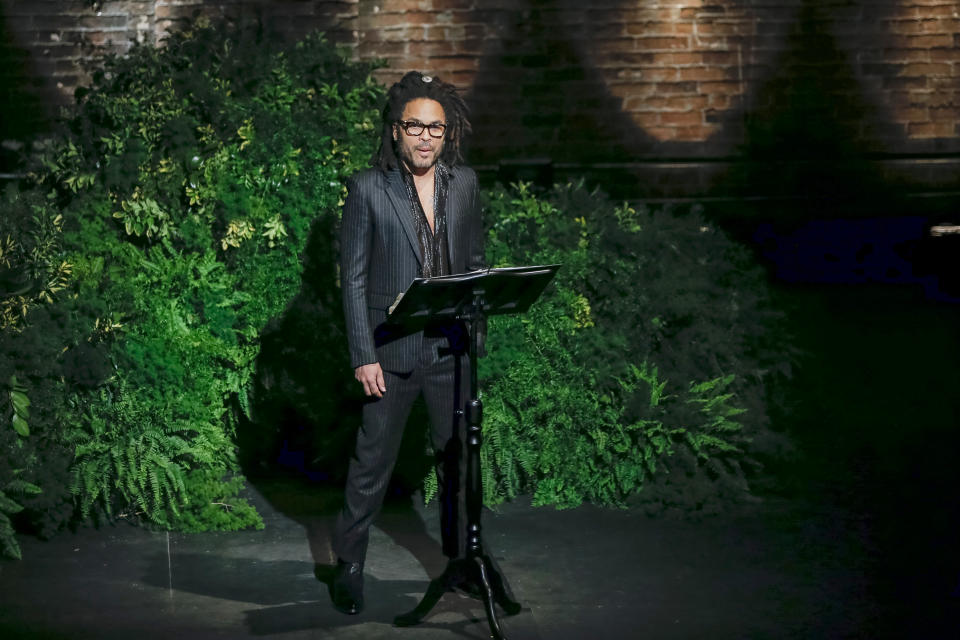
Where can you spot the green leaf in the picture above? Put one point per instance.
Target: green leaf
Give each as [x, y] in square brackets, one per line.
[21, 403]
[20, 425]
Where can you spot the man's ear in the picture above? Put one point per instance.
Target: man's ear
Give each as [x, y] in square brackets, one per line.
[395, 134]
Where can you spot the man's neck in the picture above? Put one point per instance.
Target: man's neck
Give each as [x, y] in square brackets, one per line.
[421, 175]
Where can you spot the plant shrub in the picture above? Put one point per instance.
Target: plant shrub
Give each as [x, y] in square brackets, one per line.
[34, 336]
[187, 183]
[642, 374]
[171, 276]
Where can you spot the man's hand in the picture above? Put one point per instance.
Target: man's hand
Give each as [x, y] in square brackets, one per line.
[371, 377]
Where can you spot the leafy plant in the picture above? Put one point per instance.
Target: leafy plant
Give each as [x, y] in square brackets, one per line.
[19, 407]
[31, 271]
[642, 373]
[8, 506]
[34, 327]
[171, 224]
[19, 403]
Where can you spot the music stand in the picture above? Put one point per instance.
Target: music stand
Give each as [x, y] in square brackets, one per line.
[470, 297]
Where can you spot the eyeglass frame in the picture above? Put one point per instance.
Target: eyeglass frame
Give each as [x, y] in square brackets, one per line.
[407, 124]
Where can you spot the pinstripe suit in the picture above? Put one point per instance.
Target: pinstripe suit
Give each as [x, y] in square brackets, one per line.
[380, 257]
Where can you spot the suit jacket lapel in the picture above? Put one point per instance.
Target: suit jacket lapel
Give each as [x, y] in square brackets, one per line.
[453, 209]
[397, 193]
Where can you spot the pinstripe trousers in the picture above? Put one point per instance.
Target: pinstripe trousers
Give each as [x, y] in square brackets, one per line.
[437, 376]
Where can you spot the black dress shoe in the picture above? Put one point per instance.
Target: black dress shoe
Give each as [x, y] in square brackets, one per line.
[347, 588]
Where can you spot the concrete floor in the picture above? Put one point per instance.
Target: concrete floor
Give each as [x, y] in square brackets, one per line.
[777, 569]
[859, 541]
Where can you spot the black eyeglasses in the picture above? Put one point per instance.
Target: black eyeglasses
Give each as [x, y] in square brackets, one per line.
[414, 128]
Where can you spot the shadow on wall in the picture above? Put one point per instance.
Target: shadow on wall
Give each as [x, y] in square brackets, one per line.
[535, 91]
[804, 141]
[302, 405]
[306, 404]
[802, 134]
[22, 114]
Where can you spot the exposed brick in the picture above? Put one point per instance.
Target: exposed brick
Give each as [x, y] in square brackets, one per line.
[951, 56]
[719, 57]
[429, 49]
[613, 45]
[622, 60]
[914, 114]
[929, 41]
[671, 88]
[909, 55]
[606, 31]
[950, 98]
[724, 88]
[660, 74]
[646, 119]
[931, 69]
[883, 69]
[683, 103]
[695, 133]
[941, 9]
[681, 70]
[454, 63]
[681, 118]
[445, 5]
[661, 133]
[942, 114]
[705, 73]
[651, 28]
[654, 43]
[679, 58]
[904, 82]
[941, 25]
[902, 26]
[718, 102]
[723, 28]
[653, 14]
[931, 129]
[401, 34]
[634, 91]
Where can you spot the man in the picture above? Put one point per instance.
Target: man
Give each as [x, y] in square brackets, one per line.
[414, 214]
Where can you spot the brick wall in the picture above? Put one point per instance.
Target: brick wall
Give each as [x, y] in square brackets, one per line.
[671, 89]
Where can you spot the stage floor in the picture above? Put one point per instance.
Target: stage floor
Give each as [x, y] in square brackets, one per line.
[777, 569]
[859, 541]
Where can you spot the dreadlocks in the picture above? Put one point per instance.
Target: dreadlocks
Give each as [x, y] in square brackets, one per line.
[416, 85]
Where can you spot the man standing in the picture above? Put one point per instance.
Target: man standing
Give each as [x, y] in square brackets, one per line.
[414, 214]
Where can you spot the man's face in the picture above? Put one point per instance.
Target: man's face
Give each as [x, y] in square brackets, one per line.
[420, 152]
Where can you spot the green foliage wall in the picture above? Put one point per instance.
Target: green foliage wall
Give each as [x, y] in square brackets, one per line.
[643, 373]
[169, 275]
[180, 198]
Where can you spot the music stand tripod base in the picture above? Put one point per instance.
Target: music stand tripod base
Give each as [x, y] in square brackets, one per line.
[471, 297]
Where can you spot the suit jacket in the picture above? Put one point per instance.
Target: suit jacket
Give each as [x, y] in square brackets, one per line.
[380, 256]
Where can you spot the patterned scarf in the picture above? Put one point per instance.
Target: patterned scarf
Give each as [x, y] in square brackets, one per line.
[434, 256]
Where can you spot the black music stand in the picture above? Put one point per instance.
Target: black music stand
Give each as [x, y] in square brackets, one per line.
[470, 297]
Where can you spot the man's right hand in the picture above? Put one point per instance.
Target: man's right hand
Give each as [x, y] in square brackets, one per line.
[371, 377]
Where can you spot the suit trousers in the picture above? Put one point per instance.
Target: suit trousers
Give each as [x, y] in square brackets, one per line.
[436, 376]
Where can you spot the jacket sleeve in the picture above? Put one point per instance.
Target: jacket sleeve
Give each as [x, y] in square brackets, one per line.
[356, 233]
[477, 258]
